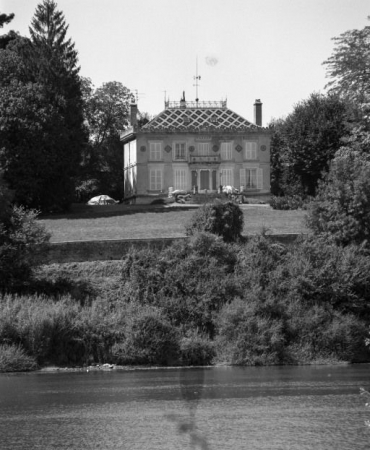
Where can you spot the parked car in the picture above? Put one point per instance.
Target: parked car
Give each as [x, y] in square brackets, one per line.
[102, 200]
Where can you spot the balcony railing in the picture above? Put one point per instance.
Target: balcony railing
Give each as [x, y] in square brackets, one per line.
[183, 104]
[201, 159]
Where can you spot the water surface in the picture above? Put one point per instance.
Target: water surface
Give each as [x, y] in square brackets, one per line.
[215, 408]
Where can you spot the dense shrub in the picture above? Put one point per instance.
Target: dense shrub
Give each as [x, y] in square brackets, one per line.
[14, 359]
[190, 281]
[202, 300]
[247, 337]
[287, 202]
[21, 239]
[150, 339]
[341, 210]
[196, 350]
[224, 219]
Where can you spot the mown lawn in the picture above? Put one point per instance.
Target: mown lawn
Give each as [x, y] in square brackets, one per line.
[139, 223]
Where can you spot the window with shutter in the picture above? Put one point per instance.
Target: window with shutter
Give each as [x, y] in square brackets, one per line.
[226, 150]
[251, 150]
[180, 179]
[251, 178]
[155, 179]
[203, 148]
[227, 177]
[179, 151]
[155, 151]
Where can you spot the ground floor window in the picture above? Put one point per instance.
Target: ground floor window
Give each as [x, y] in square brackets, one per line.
[226, 177]
[155, 179]
[180, 179]
[251, 178]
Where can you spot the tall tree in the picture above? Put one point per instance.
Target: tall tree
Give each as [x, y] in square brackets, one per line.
[349, 66]
[42, 97]
[306, 141]
[106, 114]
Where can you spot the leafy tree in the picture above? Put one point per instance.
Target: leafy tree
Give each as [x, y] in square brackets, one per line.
[106, 114]
[20, 241]
[305, 142]
[349, 66]
[341, 210]
[5, 19]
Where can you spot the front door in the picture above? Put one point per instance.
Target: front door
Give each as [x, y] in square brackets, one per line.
[204, 180]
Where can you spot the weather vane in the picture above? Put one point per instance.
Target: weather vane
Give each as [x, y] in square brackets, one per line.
[196, 78]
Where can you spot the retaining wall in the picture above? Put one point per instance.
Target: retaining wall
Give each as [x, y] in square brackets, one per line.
[80, 251]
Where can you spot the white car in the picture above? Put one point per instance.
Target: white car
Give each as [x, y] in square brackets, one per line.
[102, 200]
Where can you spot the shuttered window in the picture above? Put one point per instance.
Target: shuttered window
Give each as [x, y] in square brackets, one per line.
[227, 177]
[179, 177]
[203, 148]
[155, 179]
[251, 178]
[155, 151]
[226, 150]
[179, 151]
[251, 150]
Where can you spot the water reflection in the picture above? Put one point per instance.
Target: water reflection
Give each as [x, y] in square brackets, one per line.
[191, 386]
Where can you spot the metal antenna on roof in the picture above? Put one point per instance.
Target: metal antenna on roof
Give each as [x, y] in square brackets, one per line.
[196, 78]
[138, 94]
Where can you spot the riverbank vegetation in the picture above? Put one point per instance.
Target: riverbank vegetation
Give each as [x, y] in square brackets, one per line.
[200, 301]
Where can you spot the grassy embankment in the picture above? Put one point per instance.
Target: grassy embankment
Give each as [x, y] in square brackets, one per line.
[139, 223]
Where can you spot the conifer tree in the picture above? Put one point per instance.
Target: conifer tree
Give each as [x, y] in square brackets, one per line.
[54, 63]
[41, 113]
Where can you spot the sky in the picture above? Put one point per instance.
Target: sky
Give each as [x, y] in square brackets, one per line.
[270, 50]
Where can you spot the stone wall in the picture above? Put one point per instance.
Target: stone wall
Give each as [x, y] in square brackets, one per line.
[79, 251]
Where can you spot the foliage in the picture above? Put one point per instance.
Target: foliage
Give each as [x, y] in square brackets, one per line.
[150, 339]
[21, 243]
[5, 19]
[32, 138]
[188, 281]
[106, 111]
[287, 202]
[224, 219]
[247, 337]
[14, 359]
[348, 67]
[200, 301]
[341, 210]
[196, 350]
[41, 118]
[304, 143]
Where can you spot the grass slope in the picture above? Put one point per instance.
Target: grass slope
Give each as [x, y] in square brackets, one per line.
[140, 223]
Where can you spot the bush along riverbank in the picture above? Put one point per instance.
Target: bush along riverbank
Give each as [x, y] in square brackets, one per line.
[198, 302]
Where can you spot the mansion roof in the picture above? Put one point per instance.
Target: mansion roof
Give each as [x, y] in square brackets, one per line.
[198, 116]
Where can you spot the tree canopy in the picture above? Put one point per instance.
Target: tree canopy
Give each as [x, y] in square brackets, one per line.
[304, 143]
[106, 116]
[349, 66]
[5, 19]
[41, 113]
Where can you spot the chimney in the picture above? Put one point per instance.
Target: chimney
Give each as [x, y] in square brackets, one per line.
[133, 114]
[258, 112]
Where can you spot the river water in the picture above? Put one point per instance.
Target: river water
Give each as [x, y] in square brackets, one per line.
[309, 407]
